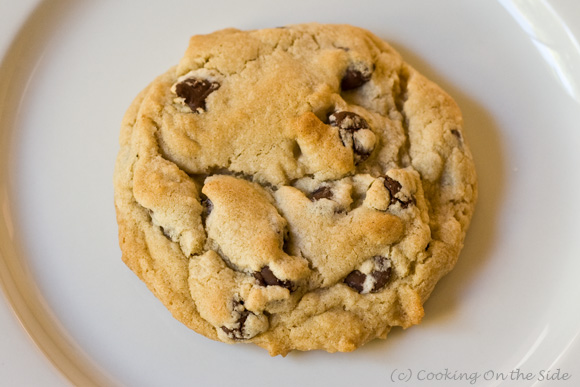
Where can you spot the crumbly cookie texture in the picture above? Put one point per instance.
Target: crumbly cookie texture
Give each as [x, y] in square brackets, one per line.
[297, 188]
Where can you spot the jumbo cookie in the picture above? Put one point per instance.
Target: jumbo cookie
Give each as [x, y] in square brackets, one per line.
[297, 188]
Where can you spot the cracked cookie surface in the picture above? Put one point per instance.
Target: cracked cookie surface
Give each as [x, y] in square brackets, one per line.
[298, 188]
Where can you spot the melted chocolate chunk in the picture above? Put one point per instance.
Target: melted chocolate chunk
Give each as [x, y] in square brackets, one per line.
[165, 233]
[323, 192]
[238, 333]
[194, 92]
[456, 133]
[356, 280]
[361, 151]
[381, 274]
[354, 78]
[348, 123]
[207, 205]
[267, 278]
[394, 187]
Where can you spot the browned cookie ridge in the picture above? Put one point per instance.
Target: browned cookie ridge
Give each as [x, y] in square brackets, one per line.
[298, 188]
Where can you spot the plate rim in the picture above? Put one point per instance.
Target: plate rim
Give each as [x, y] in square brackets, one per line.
[26, 301]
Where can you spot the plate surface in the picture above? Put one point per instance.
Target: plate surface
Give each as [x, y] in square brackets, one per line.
[507, 315]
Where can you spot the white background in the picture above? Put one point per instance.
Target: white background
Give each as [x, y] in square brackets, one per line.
[512, 301]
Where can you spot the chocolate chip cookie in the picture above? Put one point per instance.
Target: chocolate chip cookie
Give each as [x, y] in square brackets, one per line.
[297, 188]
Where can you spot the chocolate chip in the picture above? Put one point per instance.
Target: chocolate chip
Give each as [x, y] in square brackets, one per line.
[323, 192]
[238, 332]
[356, 280]
[355, 77]
[348, 121]
[380, 276]
[394, 187]
[458, 135]
[266, 277]
[165, 233]
[207, 205]
[362, 152]
[349, 124]
[194, 92]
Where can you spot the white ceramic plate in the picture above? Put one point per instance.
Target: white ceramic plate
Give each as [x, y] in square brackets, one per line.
[508, 311]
